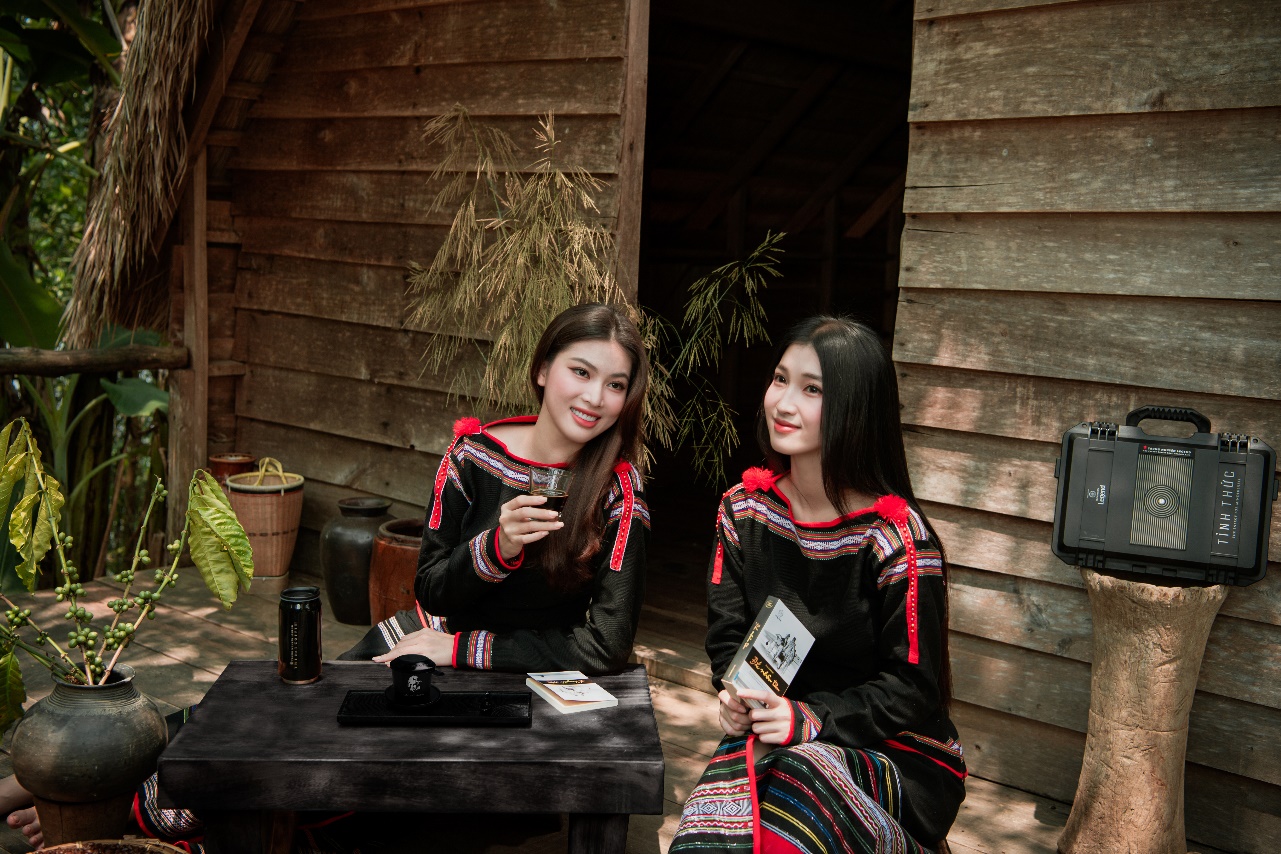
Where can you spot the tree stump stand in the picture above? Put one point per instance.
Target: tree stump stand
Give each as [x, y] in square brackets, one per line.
[1148, 643]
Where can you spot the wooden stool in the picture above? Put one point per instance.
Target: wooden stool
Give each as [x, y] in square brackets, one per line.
[1148, 643]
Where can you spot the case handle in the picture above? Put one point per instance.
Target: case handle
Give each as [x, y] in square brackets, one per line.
[1169, 413]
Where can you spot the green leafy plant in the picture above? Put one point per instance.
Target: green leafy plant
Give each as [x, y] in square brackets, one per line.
[218, 546]
[524, 245]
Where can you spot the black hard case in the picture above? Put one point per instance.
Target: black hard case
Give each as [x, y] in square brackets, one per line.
[1225, 535]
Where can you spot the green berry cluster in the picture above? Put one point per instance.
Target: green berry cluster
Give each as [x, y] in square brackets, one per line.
[79, 613]
[119, 636]
[70, 590]
[18, 617]
[82, 636]
[120, 605]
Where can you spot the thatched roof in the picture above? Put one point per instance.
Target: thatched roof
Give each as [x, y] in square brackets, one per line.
[135, 198]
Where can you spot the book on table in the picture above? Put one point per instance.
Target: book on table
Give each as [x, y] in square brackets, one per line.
[771, 653]
[570, 691]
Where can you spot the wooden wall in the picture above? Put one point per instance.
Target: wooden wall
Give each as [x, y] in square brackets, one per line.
[330, 195]
[1092, 223]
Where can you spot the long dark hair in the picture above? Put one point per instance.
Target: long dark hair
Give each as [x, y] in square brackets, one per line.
[862, 434]
[566, 557]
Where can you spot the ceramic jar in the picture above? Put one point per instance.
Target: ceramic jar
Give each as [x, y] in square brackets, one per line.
[393, 567]
[346, 545]
[83, 750]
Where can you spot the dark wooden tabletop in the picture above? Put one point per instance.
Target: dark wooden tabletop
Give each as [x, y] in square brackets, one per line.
[256, 743]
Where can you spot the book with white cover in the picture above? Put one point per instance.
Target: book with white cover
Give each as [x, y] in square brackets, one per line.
[570, 691]
[771, 654]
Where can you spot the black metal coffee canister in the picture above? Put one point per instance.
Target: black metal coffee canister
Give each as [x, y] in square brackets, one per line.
[299, 635]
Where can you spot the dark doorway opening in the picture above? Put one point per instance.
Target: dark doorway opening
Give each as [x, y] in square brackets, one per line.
[765, 117]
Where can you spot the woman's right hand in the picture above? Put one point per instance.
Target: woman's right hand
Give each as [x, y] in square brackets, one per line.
[522, 521]
[734, 715]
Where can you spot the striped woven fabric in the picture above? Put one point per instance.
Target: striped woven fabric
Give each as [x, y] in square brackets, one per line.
[812, 798]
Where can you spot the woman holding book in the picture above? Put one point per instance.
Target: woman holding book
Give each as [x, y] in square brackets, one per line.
[860, 755]
[504, 582]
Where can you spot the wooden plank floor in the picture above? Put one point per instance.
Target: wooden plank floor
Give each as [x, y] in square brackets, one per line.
[182, 652]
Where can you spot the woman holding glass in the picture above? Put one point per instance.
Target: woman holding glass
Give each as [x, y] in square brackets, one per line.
[506, 583]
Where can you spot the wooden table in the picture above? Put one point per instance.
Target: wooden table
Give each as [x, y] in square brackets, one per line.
[257, 750]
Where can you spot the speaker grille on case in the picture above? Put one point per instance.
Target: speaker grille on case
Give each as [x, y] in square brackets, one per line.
[1162, 491]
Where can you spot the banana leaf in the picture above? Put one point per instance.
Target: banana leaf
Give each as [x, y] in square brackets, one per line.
[134, 397]
[28, 314]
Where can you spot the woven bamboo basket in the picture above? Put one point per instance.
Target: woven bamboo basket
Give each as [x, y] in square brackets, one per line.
[268, 503]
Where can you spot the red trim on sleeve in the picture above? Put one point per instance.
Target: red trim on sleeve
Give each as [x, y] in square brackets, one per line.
[718, 561]
[624, 472]
[791, 733]
[520, 555]
[453, 659]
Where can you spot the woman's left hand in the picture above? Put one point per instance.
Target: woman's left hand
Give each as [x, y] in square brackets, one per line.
[437, 646]
[772, 724]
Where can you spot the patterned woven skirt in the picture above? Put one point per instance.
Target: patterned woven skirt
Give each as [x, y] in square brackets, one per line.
[813, 798]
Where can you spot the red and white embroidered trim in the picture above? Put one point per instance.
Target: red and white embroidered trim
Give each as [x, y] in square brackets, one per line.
[462, 427]
[894, 509]
[624, 472]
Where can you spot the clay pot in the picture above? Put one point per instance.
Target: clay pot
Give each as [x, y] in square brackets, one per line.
[82, 751]
[393, 567]
[221, 466]
[346, 546]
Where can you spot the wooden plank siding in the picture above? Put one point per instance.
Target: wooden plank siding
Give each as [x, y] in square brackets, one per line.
[331, 202]
[1093, 223]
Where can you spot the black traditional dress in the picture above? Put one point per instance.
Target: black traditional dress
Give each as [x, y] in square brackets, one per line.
[873, 762]
[503, 614]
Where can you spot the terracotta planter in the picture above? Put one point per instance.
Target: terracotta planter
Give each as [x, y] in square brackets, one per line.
[393, 567]
[346, 547]
[222, 466]
[82, 751]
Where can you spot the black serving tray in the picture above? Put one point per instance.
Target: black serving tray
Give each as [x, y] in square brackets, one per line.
[454, 708]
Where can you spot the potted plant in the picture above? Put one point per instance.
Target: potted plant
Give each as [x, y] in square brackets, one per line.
[81, 751]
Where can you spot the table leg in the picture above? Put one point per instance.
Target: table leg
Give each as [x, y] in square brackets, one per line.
[249, 831]
[598, 833]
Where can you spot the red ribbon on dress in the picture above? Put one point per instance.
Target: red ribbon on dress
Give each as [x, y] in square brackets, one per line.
[623, 470]
[462, 427]
[894, 509]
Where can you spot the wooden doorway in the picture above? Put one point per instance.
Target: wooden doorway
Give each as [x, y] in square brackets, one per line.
[765, 117]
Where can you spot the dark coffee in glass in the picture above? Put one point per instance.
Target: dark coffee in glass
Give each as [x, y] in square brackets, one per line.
[555, 501]
[552, 482]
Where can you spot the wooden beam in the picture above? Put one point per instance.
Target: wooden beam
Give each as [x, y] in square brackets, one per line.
[858, 155]
[32, 361]
[813, 87]
[243, 91]
[631, 155]
[224, 137]
[189, 401]
[877, 208]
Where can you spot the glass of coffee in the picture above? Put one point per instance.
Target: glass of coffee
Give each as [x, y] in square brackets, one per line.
[552, 482]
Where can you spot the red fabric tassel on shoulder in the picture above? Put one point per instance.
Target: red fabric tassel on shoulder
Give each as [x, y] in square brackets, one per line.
[462, 427]
[895, 510]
